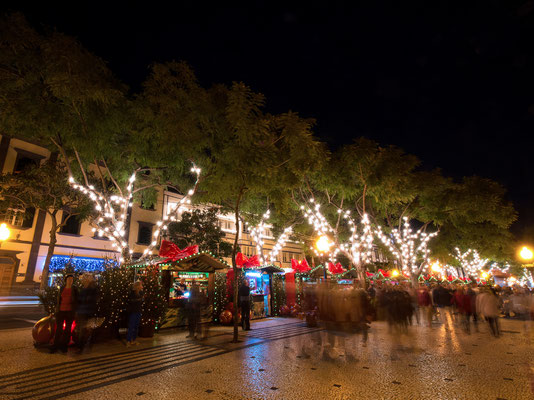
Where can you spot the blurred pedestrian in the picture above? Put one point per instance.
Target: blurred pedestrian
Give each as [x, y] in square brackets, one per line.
[244, 304]
[425, 304]
[87, 303]
[134, 309]
[193, 310]
[488, 305]
[65, 312]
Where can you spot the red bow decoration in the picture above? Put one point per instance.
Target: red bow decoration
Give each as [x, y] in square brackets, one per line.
[385, 274]
[173, 252]
[243, 262]
[335, 269]
[450, 278]
[300, 266]
[369, 274]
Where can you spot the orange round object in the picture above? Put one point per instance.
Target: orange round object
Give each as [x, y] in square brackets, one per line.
[226, 317]
[44, 329]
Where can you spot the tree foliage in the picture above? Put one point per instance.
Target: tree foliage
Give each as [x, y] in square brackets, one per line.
[44, 187]
[200, 227]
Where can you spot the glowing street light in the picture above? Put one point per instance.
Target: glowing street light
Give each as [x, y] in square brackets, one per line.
[395, 273]
[436, 267]
[4, 233]
[323, 244]
[484, 275]
[526, 254]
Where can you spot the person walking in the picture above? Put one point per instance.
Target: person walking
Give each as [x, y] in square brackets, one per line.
[489, 307]
[87, 301]
[65, 311]
[425, 305]
[244, 304]
[134, 309]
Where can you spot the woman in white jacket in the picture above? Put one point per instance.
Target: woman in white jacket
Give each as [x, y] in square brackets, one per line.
[488, 305]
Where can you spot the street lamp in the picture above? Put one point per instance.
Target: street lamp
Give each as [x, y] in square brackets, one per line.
[4, 233]
[323, 244]
[526, 254]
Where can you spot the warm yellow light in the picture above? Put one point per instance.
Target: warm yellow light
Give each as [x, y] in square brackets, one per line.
[4, 232]
[484, 275]
[395, 273]
[512, 279]
[323, 244]
[526, 253]
[436, 267]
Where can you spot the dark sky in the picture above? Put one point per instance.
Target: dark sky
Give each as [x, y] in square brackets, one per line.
[451, 82]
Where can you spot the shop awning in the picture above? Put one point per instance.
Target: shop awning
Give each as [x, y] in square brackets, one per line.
[268, 268]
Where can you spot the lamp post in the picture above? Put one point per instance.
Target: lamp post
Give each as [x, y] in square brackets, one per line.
[323, 244]
[4, 233]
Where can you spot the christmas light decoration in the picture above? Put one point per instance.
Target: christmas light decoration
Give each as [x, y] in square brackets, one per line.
[470, 261]
[258, 233]
[358, 248]
[85, 264]
[112, 213]
[409, 247]
[527, 278]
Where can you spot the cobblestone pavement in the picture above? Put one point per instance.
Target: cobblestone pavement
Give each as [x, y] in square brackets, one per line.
[281, 359]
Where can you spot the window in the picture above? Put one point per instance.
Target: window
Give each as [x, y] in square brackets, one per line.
[72, 224]
[286, 256]
[26, 159]
[246, 228]
[28, 217]
[144, 234]
[14, 216]
[227, 225]
[151, 207]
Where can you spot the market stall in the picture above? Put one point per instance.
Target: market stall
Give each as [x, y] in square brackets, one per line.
[181, 269]
[260, 280]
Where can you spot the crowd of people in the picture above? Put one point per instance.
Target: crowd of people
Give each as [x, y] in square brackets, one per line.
[348, 307]
[465, 305]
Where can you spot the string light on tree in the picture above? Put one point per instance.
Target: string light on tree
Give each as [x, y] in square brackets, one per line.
[173, 213]
[112, 212]
[409, 247]
[358, 248]
[470, 261]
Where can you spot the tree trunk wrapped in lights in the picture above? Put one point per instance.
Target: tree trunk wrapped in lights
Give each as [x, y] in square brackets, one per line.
[470, 262]
[357, 248]
[409, 247]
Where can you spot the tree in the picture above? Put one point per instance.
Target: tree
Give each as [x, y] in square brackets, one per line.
[45, 188]
[200, 227]
[250, 155]
[387, 184]
[53, 90]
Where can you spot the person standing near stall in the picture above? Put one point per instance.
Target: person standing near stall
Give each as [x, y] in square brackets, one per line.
[135, 308]
[244, 304]
[193, 310]
[87, 305]
[65, 311]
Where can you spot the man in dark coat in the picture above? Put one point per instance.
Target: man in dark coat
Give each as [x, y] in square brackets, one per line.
[87, 304]
[244, 303]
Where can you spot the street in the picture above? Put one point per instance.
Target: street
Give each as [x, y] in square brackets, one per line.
[280, 359]
[19, 312]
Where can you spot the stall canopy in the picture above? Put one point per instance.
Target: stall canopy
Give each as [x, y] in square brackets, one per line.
[198, 262]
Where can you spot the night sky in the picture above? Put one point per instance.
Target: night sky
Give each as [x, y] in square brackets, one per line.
[451, 82]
